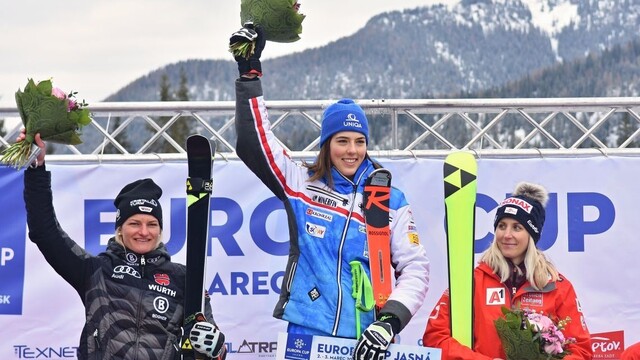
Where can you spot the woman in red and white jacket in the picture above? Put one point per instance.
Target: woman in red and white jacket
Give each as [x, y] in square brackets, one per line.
[513, 272]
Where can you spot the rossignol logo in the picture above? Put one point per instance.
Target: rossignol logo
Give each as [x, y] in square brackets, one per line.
[316, 230]
[319, 215]
[352, 121]
[517, 202]
[126, 270]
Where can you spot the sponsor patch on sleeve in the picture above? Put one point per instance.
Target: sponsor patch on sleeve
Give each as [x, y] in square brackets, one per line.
[414, 239]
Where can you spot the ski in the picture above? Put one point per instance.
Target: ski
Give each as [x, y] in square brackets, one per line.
[460, 185]
[377, 191]
[200, 153]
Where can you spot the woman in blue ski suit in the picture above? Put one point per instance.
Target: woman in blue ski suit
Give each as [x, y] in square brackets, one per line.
[327, 229]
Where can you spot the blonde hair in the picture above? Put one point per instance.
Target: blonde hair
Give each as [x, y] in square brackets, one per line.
[540, 271]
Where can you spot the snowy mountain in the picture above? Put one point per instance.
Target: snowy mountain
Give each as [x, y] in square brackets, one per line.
[424, 52]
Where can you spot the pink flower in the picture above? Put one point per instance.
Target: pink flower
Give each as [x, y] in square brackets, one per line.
[72, 105]
[58, 93]
[540, 322]
[553, 348]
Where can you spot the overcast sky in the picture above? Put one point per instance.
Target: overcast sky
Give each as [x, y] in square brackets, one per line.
[96, 47]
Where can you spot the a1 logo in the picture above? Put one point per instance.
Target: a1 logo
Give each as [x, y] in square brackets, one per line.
[496, 296]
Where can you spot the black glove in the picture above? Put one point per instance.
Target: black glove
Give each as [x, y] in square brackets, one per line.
[207, 339]
[374, 342]
[254, 36]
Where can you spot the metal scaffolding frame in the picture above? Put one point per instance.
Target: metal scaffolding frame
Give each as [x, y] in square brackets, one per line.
[405, 128]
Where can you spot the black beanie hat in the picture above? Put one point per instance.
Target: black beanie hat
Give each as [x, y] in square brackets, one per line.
[526, 205]
[139, 197]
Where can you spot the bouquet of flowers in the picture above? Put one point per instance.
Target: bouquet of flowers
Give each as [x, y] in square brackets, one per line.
[279, 19]
[526, 334]
[47, 110]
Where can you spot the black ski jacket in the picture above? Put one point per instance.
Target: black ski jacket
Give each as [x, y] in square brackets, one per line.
[133, 303]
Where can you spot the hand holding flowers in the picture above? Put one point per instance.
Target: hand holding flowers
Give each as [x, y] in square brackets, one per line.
[526, 334]
[279, 19]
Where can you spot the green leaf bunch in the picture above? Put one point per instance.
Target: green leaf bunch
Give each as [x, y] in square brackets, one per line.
[42, 112]
[279, 19]
[517, 336]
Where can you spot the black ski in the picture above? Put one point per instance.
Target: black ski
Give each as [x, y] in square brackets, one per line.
[200, 152]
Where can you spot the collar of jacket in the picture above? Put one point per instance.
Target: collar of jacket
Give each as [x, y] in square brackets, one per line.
[484, 267]
[155, 256]
[344, 185]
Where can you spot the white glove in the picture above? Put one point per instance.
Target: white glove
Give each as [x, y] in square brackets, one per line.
[374, 342]
[207, 339]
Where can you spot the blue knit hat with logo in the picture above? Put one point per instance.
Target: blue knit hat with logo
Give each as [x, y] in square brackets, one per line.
[526, 206]
[344, 115]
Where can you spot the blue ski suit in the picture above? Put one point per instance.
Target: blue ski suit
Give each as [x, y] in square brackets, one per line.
[327, 232]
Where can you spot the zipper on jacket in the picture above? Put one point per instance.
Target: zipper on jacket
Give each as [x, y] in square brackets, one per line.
[140, 308]
[339, 270]
[96, 339]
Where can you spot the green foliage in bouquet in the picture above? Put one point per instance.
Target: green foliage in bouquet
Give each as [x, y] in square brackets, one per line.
[280, 20]
[527, 335]
[44, 109]
[517, 341]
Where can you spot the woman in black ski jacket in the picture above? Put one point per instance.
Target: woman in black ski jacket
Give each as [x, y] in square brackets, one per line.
[132, 292]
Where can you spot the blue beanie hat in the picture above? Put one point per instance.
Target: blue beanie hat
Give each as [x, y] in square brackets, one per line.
[526, 206]
[344, 115]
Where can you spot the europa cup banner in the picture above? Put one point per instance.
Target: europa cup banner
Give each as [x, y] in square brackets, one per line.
[590, 233]
[308, 347]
